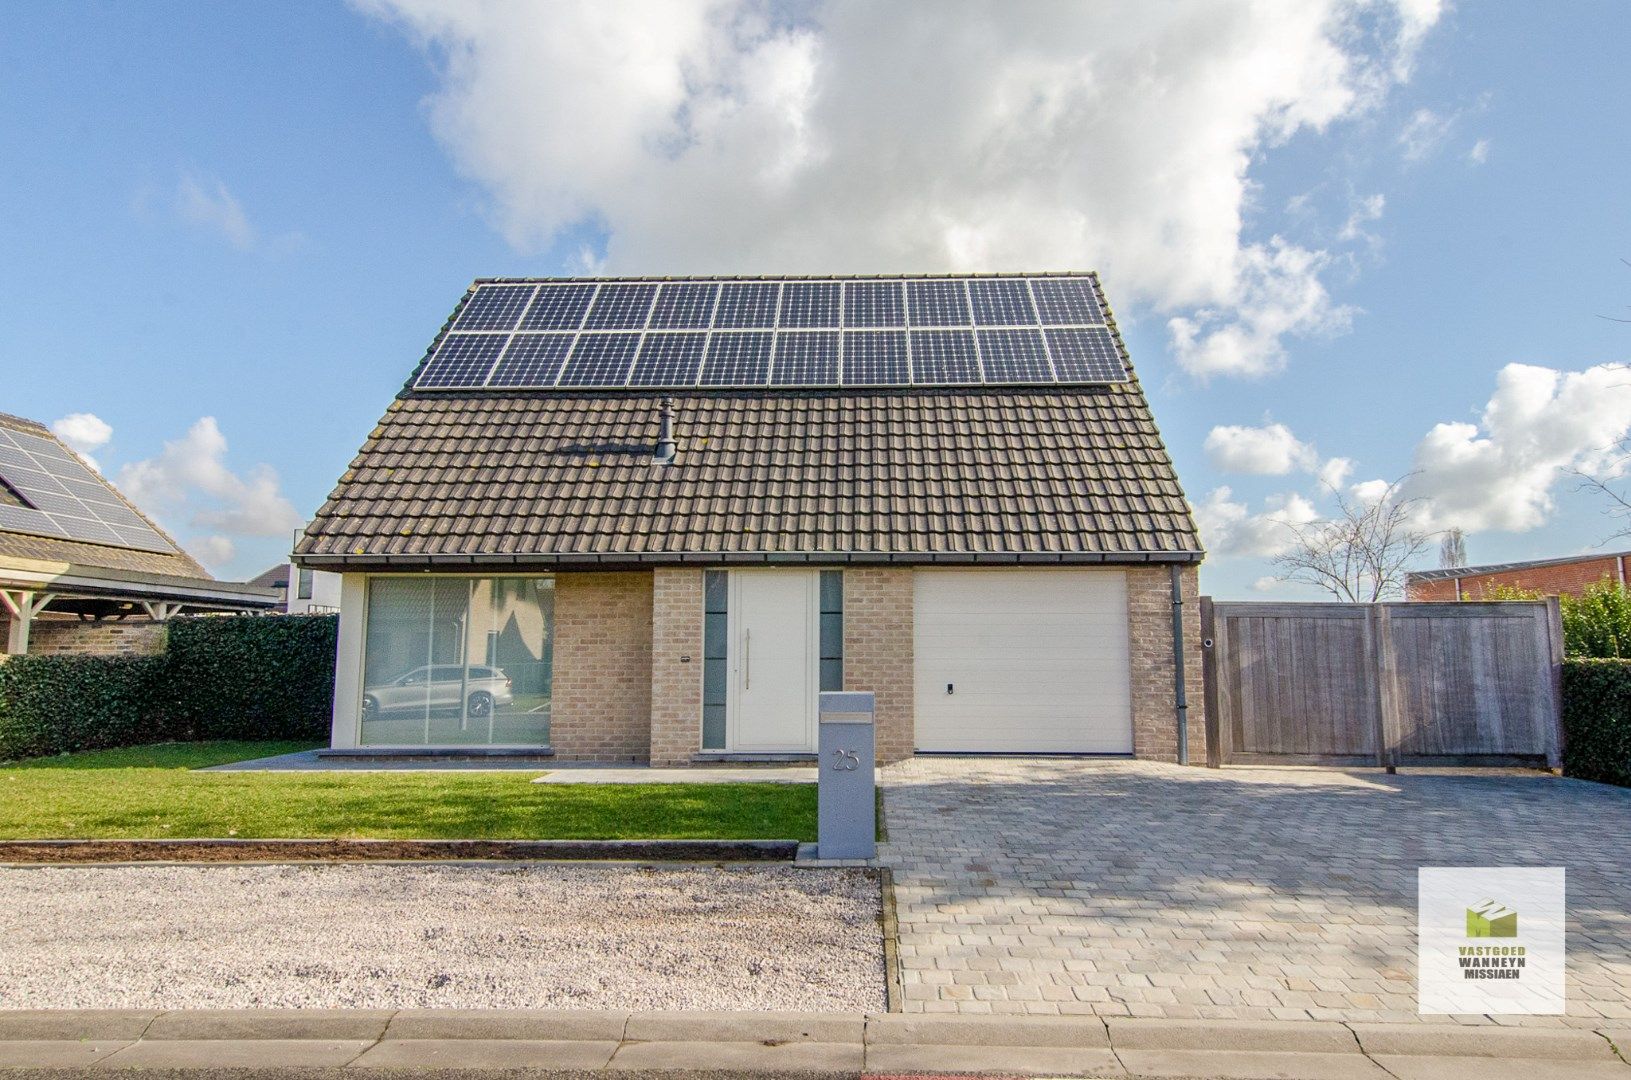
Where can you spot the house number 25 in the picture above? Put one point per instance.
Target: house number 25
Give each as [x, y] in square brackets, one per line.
[846, 760]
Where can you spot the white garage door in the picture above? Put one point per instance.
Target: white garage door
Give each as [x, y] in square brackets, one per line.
[1022, 661]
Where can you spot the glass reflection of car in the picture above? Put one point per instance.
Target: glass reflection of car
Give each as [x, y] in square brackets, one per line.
[440, 687]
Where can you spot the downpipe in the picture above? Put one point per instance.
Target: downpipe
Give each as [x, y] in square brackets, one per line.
[1181, 699]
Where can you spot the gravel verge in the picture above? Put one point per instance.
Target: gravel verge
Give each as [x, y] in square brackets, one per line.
[373, 936]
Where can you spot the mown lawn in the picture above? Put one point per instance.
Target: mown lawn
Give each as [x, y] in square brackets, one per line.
[150, 791]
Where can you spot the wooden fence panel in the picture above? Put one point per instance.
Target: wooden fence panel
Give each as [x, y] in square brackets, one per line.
[1382, 683]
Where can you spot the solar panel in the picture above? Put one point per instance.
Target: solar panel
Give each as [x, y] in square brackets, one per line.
[944, 356]
[495, 307]
[895, 331]
[936, 303]
[810, 303]
[1088, 354]
[685, 306]
[874, 303]
[532, 360]
[808, 359]
[65, 499]
[1066, 301]
[622, 306]
[557, 307]
[737, 360]
[463, 360]
[668, 360]
[1001, 302]
[600, 360]
[747, 304]
[1014, 356]
[875, 358]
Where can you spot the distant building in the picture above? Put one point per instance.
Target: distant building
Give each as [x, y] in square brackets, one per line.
[1550, 577]
[301, 590]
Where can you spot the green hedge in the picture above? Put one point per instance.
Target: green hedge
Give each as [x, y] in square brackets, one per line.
[1597, 720]
[220, 677]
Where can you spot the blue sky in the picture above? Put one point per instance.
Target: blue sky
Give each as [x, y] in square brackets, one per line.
[261, 215]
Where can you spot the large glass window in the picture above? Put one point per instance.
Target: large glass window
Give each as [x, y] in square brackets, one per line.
[832, 630]
[452, 661]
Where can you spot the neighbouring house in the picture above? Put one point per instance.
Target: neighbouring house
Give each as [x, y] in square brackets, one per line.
[651, 519]
[82, 570]
[301, 590]
[1570, 575]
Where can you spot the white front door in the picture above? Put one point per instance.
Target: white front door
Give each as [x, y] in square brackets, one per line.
[773, 661]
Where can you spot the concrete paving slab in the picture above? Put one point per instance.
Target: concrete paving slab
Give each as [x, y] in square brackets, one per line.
[236, 1053]
[782, 1057]
[486, 1054]
[1251, 1065]
[73, 1024]
[964, 1030]
[309, 761]
[1549, 1044]
[55, 1053]
[304, 1024]
[588, 1025]
[781, 1027]
[1271, 1036]
[1410, 1067]
[999, 1059]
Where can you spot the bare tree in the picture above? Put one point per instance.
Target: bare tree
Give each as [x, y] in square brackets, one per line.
[1452, 549]
[1360, 554]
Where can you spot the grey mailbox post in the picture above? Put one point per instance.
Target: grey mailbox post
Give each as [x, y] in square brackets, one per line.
[846, 817]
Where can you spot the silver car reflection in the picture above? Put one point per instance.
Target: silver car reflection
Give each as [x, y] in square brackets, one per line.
[440, 687]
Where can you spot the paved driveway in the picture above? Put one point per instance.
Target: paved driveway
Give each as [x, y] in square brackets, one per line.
[1119, 888]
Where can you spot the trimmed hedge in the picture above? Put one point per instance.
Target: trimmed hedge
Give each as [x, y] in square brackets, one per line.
[220, 677]
[1597, 720]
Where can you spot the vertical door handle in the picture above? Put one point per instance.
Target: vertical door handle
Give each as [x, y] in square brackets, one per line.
[747, 659]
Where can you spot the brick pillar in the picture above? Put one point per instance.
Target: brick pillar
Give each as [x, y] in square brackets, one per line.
[676, 686]
[1149, 638]
[878, 651]
[601, 709]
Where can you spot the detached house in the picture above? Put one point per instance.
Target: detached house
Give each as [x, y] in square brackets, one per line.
[652, 519]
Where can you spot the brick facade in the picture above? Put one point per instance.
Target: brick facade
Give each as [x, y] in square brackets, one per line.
[601, 707]
[1553, 577]
[1149, 634]
[676, 682]
[878, 652]
[75, 637]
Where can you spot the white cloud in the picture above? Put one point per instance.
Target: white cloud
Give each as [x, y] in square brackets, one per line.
[1270, 450]
[190, 481]
[85, 433]
[1364, 212]
[1423, 133]
[1228, 527]
[1335, 472]
[1499, 474]
[208, 203]
[733, 136]
[1479, 152]
[213, 551]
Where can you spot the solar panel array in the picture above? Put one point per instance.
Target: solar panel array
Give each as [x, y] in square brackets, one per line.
[765, 333]
[65, 499]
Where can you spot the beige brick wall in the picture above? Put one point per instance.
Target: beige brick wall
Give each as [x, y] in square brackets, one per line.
[72, 637]
[1149, 628]
[676, 685]
[601, 705]
[878, 651]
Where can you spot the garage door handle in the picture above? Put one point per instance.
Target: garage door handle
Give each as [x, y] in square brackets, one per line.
[950, 689]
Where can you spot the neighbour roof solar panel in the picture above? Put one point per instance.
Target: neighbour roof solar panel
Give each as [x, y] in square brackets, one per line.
[1004, 330]
[63, 498]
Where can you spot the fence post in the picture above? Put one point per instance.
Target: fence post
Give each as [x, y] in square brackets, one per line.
[1554, 648]
[1209, 683]
[1384, 668]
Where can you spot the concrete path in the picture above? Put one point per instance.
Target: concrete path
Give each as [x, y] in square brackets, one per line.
[309, 761]
[1124, 888]
[850, 1044]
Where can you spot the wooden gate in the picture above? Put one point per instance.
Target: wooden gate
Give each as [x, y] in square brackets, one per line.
[1382, 684]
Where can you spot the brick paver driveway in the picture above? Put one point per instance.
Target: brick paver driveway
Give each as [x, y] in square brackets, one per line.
[1044, 885]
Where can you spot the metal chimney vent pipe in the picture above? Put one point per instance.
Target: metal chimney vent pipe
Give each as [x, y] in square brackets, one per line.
[665, 449]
